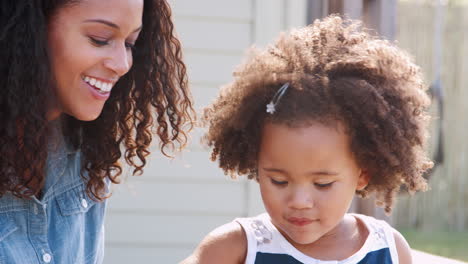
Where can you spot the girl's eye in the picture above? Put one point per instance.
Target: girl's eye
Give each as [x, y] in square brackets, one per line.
[98, 42]
[324, 185]
[281, 183]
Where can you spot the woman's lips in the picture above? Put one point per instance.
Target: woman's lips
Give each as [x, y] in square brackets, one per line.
[300, 221]
[97, 94]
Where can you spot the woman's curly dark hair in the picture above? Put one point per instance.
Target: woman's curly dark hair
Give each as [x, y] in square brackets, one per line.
[337, 72]
[156, 87]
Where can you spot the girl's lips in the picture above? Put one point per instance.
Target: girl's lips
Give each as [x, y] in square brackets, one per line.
[300, 221]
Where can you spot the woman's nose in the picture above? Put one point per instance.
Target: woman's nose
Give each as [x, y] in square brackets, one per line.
[119, 61]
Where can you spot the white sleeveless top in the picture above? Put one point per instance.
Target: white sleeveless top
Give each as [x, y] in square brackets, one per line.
[266, 245]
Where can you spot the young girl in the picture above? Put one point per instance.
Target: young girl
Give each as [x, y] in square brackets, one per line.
[83, 84]
[327, 112]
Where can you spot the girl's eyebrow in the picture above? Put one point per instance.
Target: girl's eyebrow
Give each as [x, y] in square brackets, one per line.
[275, 170]
[320, 173]
[108, 23]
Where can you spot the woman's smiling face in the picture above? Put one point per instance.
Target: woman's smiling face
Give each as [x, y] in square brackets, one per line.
[90, 48]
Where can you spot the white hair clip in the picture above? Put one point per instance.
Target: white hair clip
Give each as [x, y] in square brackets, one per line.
[271, 107]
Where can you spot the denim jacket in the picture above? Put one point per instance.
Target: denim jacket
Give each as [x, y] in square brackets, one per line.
[64, 227]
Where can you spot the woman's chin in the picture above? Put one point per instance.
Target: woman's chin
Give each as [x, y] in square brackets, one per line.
[87, 116]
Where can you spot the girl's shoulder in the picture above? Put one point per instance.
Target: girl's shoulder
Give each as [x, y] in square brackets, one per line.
[381, 231]
[225, 244]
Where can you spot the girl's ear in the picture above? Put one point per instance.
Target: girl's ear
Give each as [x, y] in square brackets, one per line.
[363, 180]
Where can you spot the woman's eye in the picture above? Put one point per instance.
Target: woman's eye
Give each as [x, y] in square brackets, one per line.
[275, 182]
[130, 46]
[98, 42]
[323, 185]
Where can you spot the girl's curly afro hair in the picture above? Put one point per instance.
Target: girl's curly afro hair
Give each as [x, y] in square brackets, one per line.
[337, 72]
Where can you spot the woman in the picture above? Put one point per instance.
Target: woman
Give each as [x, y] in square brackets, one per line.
[83, 82]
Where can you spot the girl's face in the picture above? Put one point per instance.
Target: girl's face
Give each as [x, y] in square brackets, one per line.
[90, 46]
[308, 178]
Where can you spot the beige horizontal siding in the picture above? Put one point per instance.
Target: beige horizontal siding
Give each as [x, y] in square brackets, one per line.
[161, 216]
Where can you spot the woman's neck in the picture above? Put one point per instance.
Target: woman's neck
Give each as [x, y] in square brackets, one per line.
[53, 115]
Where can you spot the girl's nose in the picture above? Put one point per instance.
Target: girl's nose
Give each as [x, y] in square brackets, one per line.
[301, 198]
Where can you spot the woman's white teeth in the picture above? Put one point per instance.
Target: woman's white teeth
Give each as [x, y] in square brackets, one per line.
[102, 86]
[106, 87]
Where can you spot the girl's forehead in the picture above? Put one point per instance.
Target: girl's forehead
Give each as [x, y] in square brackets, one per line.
[307, 128]
[315, 137]
[300, 150]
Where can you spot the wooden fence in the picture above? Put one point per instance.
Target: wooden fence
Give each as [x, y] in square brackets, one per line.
[445, 205]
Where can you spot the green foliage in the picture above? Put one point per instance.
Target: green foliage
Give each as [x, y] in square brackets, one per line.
[448, 244]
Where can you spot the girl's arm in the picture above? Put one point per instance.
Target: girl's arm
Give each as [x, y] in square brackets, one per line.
[403, 249]
[226, 244]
